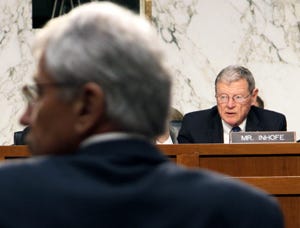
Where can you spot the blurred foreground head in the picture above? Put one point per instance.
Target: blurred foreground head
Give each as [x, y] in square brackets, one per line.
[100, 69]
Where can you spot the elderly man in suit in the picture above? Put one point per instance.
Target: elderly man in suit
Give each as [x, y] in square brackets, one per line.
[235, 93]
[100, 98]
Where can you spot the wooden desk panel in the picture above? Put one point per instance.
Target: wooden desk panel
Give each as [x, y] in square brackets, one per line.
[232, 149]
[290, 206]
[10, 152]
[274, 168]
[239, 159]
[256, 165]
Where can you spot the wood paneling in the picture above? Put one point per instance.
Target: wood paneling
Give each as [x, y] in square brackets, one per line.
[275, 168]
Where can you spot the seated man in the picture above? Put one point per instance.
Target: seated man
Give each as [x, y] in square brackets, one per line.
[235, 93]
[101, 96]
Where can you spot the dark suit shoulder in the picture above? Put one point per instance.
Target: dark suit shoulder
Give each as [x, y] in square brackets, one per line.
[267, 112]
[265, 120]
[203, 126]
[202, 114]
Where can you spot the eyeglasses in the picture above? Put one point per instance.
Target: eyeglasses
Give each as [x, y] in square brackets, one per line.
[224, 98]
[33, 92]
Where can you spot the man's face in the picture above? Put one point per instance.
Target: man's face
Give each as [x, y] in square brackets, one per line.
[51, 119]
[234, 109]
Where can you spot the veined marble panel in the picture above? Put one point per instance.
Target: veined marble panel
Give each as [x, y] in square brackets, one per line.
[16, 63]
[202, 37]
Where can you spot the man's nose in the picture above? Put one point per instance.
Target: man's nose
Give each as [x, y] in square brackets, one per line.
[25, 118]
[231, 102]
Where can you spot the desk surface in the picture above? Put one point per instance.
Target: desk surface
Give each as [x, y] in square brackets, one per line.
[232, 149]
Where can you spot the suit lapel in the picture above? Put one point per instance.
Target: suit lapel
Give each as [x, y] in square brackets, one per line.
[253, 123]
[216, 131]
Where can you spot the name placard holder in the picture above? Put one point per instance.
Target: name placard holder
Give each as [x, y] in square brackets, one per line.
[263, 137]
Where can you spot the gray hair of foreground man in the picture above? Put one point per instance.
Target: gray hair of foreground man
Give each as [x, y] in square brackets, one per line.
[234, 73]
[109, 45]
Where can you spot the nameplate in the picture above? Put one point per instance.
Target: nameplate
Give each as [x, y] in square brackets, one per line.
[262, 137]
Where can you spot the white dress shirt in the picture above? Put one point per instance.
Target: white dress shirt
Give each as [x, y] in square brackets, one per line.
[227, 128]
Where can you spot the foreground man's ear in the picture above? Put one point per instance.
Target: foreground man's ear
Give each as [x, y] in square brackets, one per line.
[89, 109]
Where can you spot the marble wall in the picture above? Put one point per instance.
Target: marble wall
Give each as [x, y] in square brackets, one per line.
[201, 37]
[16, 63]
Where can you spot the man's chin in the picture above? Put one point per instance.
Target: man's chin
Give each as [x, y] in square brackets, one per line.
[230, 122]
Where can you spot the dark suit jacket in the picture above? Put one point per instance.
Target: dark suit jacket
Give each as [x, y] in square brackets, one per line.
[126, 183]
[206, 126]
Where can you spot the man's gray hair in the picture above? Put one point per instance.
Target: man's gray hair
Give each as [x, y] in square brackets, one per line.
[117, 49]
[234, 73]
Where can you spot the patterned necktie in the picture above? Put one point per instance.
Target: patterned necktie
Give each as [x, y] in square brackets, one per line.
[236, 129]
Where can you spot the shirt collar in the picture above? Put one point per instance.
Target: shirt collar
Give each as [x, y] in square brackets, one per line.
[227, 128]
[109, 137]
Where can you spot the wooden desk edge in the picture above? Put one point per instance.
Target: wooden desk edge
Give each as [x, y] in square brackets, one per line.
[275, 185]
[14, 151]
[231, 149]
